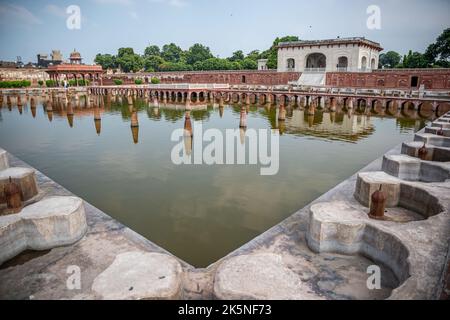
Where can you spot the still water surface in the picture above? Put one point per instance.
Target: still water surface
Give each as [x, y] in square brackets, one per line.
[198, 212]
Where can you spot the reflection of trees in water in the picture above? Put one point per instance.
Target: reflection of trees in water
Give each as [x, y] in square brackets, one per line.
[172, 115]
[198, 115]
[406, 124]
[123, 107]
[236, 109]
[270, 114]
[341, 125]
[157, 112]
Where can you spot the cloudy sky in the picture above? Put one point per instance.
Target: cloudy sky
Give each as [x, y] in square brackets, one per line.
[28, 27]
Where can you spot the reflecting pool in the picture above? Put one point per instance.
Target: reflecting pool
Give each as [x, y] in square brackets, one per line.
[198, 212]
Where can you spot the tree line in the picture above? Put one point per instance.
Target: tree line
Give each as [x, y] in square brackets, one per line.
[437, 55]
[198, 57]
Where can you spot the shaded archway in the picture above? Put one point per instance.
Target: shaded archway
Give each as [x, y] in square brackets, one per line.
[363, 63]
[290, 63]
[316, 61]
[342, 64]
[372, 64]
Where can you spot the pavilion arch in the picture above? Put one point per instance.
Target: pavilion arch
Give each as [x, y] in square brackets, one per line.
[406, 112]
[390, 111]
[316, 60]
[406, 105]
[389, 104]
[374, 103]
[342, 63]
[360, 102]
[194, 96]
[283, 99]
[290, 64]
[262, 99]
[364, 62]
[440, 110]
[372, 64]
[424, 109]
[235, 98]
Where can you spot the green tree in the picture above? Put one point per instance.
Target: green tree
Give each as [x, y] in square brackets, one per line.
[272, 53]
[249, 64]
[153, 63]
[130, 62]
[254, 55]
[414, 60]
[107, 61]
[439, 52]
[125, 52]
[214, 64]
[198, 52]
[390, 59]
[172, 53]
[175, 66]
[237, 56]
[50, 83]
[152, 51]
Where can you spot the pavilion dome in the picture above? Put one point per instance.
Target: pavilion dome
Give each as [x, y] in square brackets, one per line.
[75, 55]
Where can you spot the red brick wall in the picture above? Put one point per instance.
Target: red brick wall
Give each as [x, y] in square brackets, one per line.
[433, 80]
[231, 77]
[262, 78]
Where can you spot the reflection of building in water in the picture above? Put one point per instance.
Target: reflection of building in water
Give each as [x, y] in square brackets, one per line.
[97, 120]
[348, 127]
[135, 126]
[188, 136]
[50, 115]
[183, 107]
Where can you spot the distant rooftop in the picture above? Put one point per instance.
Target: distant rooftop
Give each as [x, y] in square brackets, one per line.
[351, 40]
[65, 67]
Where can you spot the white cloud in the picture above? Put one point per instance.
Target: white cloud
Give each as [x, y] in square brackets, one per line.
[14, 13]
